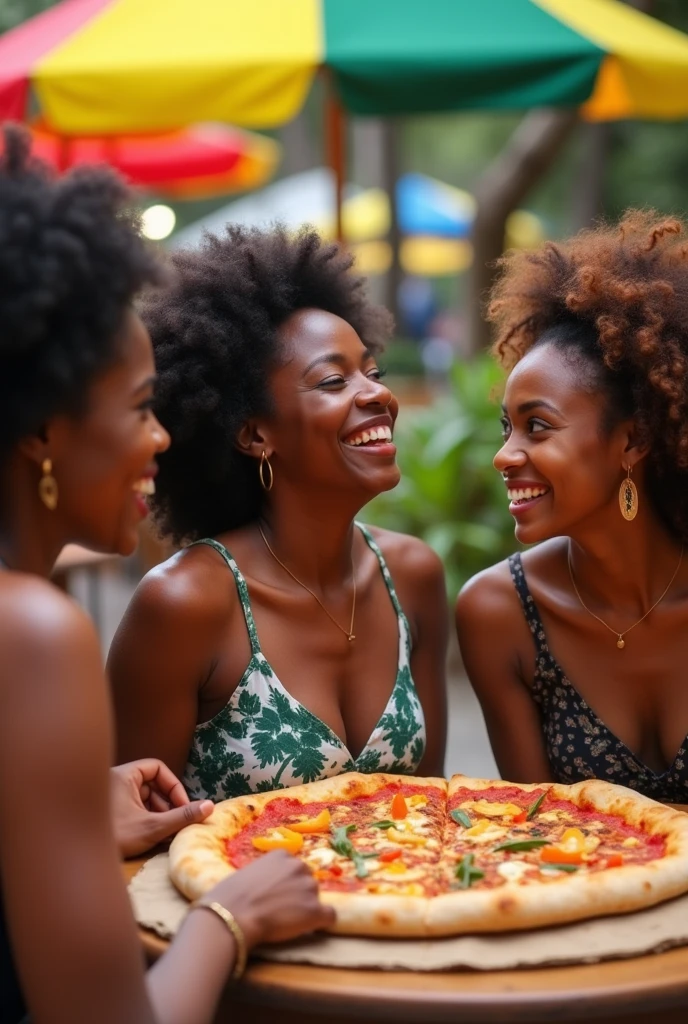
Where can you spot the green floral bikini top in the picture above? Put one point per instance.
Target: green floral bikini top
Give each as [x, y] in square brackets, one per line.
[263, 739]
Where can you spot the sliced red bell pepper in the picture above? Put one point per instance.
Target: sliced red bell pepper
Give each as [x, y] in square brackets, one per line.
[388, 855]
[558, 855]
[399, 808]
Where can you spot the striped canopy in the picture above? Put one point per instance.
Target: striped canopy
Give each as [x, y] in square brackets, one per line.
[114, 66]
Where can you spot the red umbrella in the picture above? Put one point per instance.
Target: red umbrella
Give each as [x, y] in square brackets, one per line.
[193, 163]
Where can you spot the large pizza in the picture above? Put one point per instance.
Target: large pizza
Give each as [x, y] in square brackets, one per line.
[402, 856]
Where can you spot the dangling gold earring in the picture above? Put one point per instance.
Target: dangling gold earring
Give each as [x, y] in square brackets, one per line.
[47, 486]
[265, 464]
[628, 497]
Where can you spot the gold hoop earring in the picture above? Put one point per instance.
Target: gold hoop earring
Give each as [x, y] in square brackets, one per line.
[628, 497]
[47, 486]
[265, 464]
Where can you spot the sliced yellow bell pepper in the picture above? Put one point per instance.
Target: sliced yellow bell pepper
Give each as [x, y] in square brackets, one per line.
[397, 867]
[321, 823]
[478, 828]
[572, 840]
[495, 810]
[405, 837]
[279, 839]
[417, 800]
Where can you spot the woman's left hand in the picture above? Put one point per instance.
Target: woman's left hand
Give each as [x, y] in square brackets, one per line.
[149, 804]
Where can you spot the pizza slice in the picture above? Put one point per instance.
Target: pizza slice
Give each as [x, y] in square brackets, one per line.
[518, 856]
[373, 842]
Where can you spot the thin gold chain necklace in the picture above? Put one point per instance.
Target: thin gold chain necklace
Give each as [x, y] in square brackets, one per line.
[348, 633]
[620, 642]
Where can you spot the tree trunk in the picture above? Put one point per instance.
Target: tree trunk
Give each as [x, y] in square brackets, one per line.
[588, 192]
[298, 146]
[390, 175]
[530, 151]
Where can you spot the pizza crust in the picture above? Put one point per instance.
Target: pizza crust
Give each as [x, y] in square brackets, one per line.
[197, 863]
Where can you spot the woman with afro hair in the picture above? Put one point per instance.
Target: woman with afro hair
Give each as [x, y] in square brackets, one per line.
[285, 643]
[578, 647]
[78, 442]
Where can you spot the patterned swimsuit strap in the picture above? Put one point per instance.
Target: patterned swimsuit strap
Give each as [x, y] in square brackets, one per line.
[386, 576]
[242, 589]
[530, 610]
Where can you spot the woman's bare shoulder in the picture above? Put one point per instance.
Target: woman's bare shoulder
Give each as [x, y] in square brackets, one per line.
[33, 610]
[407, 555]
[193, 585]
[43, 635]
[490, 592]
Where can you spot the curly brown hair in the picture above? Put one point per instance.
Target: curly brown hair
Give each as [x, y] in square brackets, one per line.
[216, 335]
[615, 299]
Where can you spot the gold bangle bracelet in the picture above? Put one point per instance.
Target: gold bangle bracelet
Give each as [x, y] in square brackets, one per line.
[229, 919]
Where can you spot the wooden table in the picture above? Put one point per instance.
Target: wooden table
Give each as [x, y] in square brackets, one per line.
[645, 990]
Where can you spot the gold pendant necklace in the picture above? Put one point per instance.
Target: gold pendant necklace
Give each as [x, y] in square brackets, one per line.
[348, 633]
[620, 642]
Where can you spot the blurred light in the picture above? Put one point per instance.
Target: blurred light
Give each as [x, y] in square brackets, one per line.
[158, 222]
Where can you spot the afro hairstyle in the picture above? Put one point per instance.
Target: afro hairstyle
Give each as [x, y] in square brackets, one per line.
[615, 299]
[71, 262]
[215, 332]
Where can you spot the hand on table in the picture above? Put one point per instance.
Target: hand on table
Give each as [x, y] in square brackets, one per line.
[148, 804]
[273, 899]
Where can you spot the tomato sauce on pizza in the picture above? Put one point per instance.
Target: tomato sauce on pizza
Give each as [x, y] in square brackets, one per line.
[401, 856]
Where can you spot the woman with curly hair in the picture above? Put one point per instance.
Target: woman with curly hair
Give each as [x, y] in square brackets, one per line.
[273, 649]
[78, 442]
[577, 648]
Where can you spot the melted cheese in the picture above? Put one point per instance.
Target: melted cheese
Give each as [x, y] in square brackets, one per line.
[322, 857]
[513, 870]
[489, 835]
[410, 875]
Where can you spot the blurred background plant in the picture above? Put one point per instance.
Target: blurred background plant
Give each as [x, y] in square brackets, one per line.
[450, 494]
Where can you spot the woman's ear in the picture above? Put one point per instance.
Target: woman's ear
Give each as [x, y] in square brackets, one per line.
[36, 448]
[251, 440]
[636, 445]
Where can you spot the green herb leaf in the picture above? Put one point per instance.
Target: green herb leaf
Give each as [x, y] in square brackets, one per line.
[462, 818]
[361, 869]
[535, 807]
[523, 844]
[342, 845]
[383, 824]
[466, 873]
[340, 841]
[560, 867]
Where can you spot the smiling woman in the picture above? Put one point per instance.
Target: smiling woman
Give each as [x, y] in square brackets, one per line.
[285, 643]
[78, 441]
[595, 463]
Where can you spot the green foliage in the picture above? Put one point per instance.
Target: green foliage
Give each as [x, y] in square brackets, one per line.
[13, 12]
[450, 494]
[402, 358]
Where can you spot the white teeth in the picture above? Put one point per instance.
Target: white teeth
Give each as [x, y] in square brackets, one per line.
[376, 434]
[146, 485]
[525, 493]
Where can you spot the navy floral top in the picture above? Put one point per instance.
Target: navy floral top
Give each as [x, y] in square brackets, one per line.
[579, 744]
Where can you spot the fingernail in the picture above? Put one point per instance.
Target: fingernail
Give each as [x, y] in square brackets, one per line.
[207, 806]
